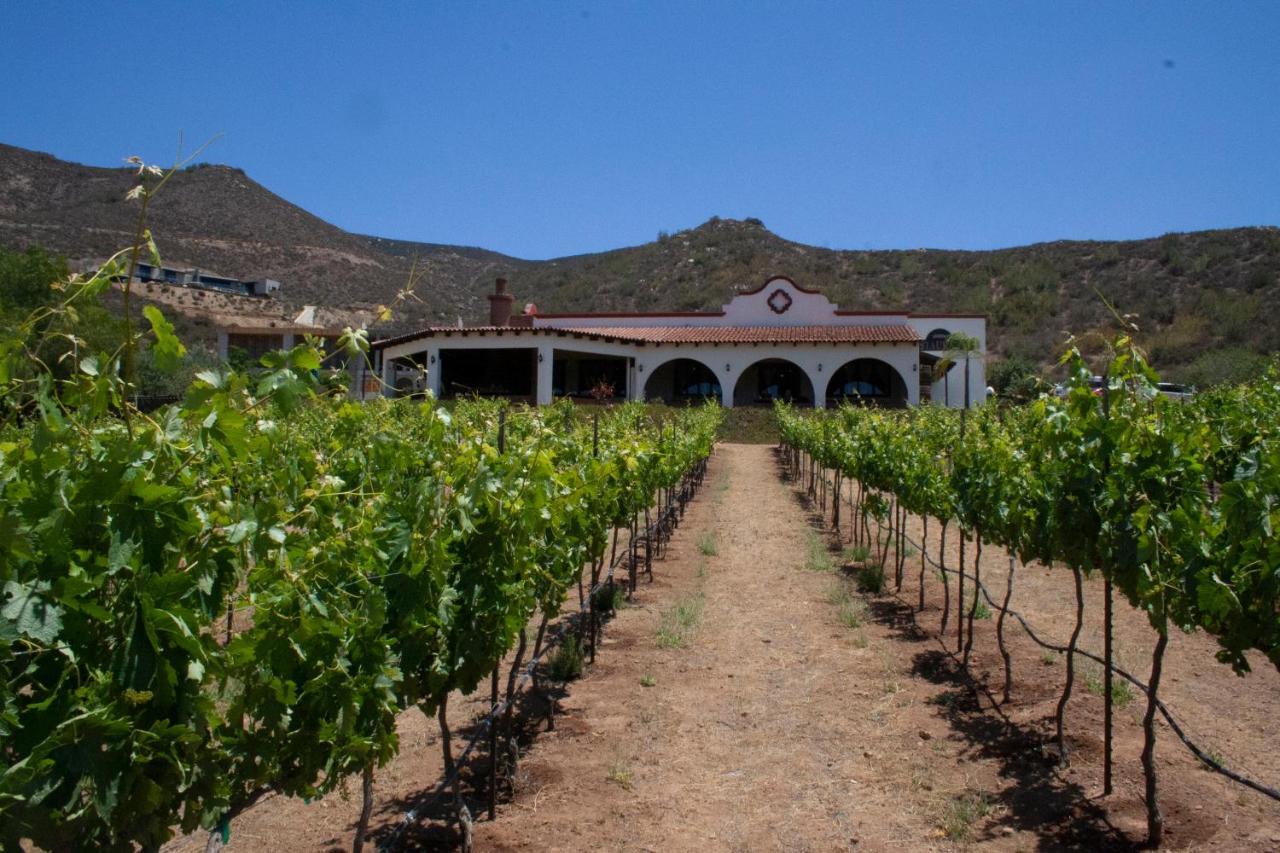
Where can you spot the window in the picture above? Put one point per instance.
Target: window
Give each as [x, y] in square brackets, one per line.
[936, 341]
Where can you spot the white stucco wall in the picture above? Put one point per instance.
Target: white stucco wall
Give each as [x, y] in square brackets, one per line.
[746, 309]
[819, 362]
[726, 361]
[974, 326]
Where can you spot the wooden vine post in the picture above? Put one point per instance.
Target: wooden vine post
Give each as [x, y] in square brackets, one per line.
[1107, 625]
[1107, 700]
[592, 616]
[964, 417]
[493, 680]
[960, 592]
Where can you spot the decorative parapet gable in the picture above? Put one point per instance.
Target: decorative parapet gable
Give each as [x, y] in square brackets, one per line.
[780, 302]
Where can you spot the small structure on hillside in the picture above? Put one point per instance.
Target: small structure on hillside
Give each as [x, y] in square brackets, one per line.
[251, 337]
[196, 277]
[777, 341]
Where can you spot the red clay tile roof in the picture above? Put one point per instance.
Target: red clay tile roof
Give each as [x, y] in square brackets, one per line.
[893, 334]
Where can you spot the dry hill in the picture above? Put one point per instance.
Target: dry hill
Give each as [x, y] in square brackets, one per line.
[1201, 298]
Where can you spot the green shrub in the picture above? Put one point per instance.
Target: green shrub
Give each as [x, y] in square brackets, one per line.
[871, 580]
[607, 599]
[857, 555]
[566, 663]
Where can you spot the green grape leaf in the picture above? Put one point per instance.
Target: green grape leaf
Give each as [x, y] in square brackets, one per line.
[167, 349]
[30, 613]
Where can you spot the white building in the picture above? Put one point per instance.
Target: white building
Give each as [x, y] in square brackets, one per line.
[256, 334]
[777, 341]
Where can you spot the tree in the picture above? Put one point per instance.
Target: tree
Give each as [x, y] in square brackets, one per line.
[962, 346]
[1016, 377]
[27, 279]
[943, 368]
[31, 297]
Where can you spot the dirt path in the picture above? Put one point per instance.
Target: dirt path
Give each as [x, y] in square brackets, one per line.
[799, 717]
[775, 727]
[750, 699]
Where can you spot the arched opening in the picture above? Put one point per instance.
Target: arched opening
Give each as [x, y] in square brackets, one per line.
[867, 382]
[682, 380]
[773, 379]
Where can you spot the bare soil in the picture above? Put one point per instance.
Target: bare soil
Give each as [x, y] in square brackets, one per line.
[734, 707]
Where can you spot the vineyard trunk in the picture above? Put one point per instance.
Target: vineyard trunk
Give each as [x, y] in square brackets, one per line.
[977, 592]
[366, 809]
[1004, 610]
[946, 584]
[897, 547]
[924, 557]
[835, 504]
[1155, 820]
[537, 650]
[1071, 666]
[508, 714]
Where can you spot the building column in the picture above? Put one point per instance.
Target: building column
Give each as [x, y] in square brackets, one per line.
[818, 381]
[388, 376]
[728, 382]
[355, 380]
[546, 358]
[433, 371]
[913, 384]
[222, 344]
[286, 340]
[640, 378]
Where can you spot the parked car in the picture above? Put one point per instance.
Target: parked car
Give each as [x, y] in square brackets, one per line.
[1095, 382]
[1174, 391]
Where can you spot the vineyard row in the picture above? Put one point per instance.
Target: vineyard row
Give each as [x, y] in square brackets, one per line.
[239, 594]
[1173, 504]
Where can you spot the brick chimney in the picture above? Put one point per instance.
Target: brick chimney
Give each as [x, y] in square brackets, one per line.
[500, 304]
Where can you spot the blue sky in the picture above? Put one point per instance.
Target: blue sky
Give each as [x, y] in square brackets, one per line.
[546, 129]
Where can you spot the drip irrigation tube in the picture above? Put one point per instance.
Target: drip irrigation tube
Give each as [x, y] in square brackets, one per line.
[1195, 749]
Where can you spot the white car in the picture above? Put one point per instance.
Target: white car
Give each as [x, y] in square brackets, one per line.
[1174, 391]
[1095, 382]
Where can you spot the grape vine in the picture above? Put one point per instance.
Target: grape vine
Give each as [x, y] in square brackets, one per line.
[241, 592]
[1175, 504]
